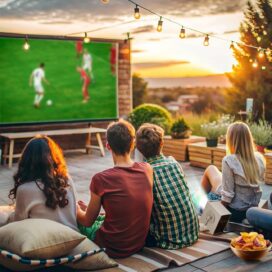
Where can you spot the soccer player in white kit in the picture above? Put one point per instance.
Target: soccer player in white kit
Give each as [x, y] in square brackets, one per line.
[87, 63]
[37, 77]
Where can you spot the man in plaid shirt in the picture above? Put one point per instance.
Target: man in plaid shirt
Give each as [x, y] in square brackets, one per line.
[174, 222]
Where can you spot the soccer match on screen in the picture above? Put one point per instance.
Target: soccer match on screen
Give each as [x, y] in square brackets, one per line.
[57, 80]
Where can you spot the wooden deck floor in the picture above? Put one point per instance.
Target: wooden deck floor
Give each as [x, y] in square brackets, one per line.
[82, 167]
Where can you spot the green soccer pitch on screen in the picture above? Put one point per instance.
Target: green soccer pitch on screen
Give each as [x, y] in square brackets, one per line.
[56, 81]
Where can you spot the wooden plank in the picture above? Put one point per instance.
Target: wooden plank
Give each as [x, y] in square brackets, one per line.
[199, 164]
[199, 155]
[212, 259]
[197, 159]
[30, 134]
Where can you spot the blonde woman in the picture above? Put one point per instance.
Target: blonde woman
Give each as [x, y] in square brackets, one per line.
[242, 170]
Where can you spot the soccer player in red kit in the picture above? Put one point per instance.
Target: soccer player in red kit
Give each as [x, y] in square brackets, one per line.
[113, 59]
[86, 82]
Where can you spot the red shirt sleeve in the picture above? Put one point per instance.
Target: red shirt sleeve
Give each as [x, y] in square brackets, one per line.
[97, 185]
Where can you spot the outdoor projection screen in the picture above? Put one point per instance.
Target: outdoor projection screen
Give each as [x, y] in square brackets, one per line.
[57, 80]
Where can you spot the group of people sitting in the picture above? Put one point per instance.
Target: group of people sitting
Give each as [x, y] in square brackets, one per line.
[143, 203]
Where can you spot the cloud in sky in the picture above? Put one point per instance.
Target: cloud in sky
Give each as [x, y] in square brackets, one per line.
[88, 9]
[148, 65]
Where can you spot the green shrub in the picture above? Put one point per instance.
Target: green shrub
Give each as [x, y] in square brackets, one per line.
[151, 113]
[180, 129]
[262, 133]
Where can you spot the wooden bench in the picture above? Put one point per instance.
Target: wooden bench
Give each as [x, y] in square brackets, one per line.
[268, 172]
[10, 138]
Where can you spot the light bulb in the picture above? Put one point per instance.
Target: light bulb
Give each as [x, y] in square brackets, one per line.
[86, 38]
[137, 14]
[268, 51]
[26, 45]
[261, 54]
[232, 46]
[182, 33]
[255, 64]
[105, 1]
[159, 27]
[263, 68]
[206, 40]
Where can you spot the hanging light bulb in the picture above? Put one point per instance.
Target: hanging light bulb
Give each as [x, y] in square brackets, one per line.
[250, 60]
[263, 68]
[137, 14]
[105, 1]
[182, 33]
[232, 47]
[206, 40]
[159, 27]
[86, 38]
[255, 64]
[26, 45]
[261, 53]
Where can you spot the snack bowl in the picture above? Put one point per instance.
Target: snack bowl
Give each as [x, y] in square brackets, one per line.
[251, 255]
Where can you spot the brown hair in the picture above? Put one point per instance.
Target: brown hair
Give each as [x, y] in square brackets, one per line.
[120, 137]
[149, 140]
[42, 161]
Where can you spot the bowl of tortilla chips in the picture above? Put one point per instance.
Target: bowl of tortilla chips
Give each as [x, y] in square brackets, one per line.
[250, 246]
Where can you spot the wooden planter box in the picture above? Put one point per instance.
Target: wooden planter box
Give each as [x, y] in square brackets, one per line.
[268, 172]
[178, 148]
[218, 153]
[202, 156]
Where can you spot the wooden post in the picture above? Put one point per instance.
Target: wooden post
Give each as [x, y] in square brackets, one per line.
[100, 143]
[11, 149]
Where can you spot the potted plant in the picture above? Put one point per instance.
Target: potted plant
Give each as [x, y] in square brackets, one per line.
[180, 129]
[211, 131]
[262, 134]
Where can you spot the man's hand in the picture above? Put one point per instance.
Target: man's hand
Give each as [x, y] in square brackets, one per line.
[82, 205]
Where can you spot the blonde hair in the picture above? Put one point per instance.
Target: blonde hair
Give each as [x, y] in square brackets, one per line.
[240, 142]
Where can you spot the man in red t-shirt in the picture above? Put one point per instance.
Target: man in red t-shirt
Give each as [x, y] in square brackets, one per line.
[125, 192]
[86, 82]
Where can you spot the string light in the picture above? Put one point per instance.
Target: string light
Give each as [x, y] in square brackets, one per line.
[26, 45]
[232, 47]
[206, 40]
[86, 38]
[137, 14]
[263, 68]
[268, 51]
[261, 53]
[105, 1]
[255, 64]
[182, 33]
[159, 27]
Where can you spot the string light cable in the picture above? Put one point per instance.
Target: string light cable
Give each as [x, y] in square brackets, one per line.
[206, 35]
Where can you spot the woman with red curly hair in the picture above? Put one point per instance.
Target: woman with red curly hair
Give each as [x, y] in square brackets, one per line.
[42, 186]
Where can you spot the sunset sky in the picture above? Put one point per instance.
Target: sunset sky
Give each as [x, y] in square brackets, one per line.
[154, 54]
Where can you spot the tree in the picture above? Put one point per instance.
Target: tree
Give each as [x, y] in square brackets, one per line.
[139, 87]
[252, 76]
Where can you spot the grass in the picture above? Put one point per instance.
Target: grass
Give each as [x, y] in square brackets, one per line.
[195, 121]
[16, 96]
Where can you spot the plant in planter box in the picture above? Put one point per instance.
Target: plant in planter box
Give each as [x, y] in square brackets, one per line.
[262, 134]
[180, 129]
[212, 131]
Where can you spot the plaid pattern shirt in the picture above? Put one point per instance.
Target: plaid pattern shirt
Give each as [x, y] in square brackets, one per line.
[174, 222]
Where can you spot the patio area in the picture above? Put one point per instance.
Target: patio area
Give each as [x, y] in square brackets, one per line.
[82, 167]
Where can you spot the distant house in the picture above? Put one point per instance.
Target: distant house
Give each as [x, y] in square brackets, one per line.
[183, 103]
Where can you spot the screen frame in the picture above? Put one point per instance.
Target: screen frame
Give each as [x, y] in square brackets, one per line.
[67, 38]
